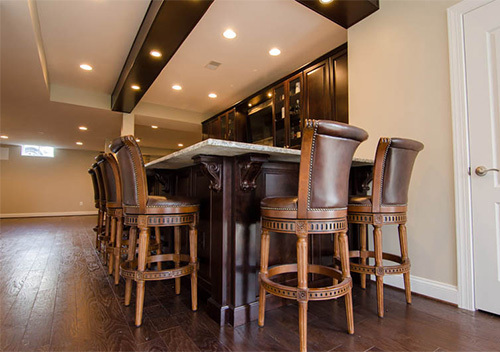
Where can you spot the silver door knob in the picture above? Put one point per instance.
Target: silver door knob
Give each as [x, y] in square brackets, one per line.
[482, 171]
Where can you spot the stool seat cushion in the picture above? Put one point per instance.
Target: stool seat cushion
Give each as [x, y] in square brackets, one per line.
[280, 203]
[164, 205]
[286, 208]
[279, 207]
[360, 200]
[360, 204]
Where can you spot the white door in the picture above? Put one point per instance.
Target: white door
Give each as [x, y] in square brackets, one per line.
[482, 52]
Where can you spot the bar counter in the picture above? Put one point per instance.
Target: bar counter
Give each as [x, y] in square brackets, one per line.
[230, 179]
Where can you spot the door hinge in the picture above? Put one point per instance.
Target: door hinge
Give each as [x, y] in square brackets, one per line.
[469, 171]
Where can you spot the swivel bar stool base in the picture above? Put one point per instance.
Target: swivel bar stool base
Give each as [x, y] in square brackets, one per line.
[387, 205]
[320, 208]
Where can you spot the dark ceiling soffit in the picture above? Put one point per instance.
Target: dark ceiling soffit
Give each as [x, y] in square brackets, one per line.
[343, 12]
[166, 25]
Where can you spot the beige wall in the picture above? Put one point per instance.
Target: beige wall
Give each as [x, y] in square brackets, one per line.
[399, 87]
[40, 185]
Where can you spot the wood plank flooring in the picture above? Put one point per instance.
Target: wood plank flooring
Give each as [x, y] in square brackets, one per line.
[55, 295]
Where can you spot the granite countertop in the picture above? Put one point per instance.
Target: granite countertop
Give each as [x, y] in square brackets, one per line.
[219, 147]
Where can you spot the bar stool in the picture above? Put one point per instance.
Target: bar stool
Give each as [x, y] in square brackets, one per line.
[144, 212]
[320, 208]
[387, 205]
[103, 225]
[97, 200]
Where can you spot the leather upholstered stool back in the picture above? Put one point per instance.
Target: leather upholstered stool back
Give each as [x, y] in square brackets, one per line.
[100, 182]
[111, 180]
[326, 157]
[132, 172]
[96, 187]
[394, 161]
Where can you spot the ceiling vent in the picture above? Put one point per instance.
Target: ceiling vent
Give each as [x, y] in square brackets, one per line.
[213, 65]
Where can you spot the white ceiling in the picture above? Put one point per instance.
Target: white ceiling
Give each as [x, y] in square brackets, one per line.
[300, 34]
[97, 32]
[101, 32]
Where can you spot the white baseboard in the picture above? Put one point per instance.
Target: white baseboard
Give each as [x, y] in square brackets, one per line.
[425, 287]
[48, 214]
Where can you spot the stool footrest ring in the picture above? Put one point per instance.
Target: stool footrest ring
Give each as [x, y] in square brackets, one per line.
[403, 267]
[128, 270]
[313, 294]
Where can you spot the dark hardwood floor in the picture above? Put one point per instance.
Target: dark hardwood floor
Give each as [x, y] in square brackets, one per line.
[55, 295]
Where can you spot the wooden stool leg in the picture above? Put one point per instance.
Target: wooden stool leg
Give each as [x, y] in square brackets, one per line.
[132, 241]
[264, 261]
[111, 244]
[362, 242]
[106, 234]
[335, 253]
[346, 272]
[141, 267]
[118, 248]
[177, 250]
[302, 297]
[158, 242]
[377, 240]
[99, 230]
[403, 243]
[193, 260]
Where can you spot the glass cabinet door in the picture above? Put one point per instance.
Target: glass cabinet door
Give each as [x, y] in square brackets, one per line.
[230, 136]
[279, 116]
[223, 126]
[295, 108]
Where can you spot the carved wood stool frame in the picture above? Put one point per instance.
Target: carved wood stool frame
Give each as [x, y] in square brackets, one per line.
[319, 208]
[379, 270]
[302, 293]
[387, 205]
[135, 269]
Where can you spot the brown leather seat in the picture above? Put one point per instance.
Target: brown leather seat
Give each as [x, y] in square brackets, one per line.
[163, 205]
[320, 208]
[144, 211]
[388, 204]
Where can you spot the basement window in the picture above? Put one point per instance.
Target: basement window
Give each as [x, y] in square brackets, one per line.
[37, 150]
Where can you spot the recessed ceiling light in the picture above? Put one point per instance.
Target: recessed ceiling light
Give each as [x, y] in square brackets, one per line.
[155, 53]
[155, 127]
[4, 137]
[274, 52]
[269, 94]
[249, 105]
[325, 1]
[83, 128]
[176, 87]
[79, 143]
[229, 34]
[212, 95]
[180, 145]
[86, 67]
[137, 140]
[135, 87]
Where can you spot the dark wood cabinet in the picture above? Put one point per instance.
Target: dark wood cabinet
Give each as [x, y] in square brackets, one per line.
[211, 128]
[222, 126]
[318, 90]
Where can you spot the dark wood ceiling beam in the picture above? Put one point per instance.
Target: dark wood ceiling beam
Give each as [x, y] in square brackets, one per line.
[165, 27]
[343, 12]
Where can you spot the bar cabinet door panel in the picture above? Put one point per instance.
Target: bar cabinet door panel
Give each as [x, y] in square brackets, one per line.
[318, 95]
[340, 89]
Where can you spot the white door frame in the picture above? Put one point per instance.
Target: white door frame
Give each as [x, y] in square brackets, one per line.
[461, 154]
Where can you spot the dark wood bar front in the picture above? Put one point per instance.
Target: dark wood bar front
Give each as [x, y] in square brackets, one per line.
[230, 181]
